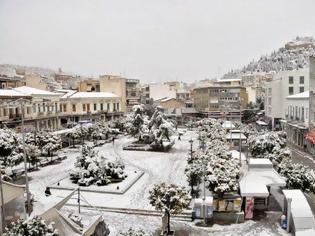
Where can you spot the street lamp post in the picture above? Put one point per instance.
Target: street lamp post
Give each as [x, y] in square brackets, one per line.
[191, 149]
[2, 204]
[25, 158]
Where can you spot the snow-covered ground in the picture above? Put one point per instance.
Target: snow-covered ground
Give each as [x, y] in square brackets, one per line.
[158, 167]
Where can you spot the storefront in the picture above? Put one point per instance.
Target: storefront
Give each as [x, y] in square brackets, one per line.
[256, 183]
[310, 142]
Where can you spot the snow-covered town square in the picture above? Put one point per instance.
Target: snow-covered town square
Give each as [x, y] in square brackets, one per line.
[157, 118]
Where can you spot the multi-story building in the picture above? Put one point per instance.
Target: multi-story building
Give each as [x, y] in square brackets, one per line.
[114, 84]
[45, 110]
[145, 94]
[132, 93]
[89, 85]
[7, 82]
[220, 101]
[297, 117]
[283, 84]
[76, 106]
[40, 112]
[158, 91]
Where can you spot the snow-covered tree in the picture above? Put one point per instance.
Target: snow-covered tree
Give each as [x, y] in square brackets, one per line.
[194, 174]
[297, 176]
[153, 131]
[33, 227]
[32, 154]
[52, 143]
[10, 147]
[91, 168]
[270, 145]
[169, 198]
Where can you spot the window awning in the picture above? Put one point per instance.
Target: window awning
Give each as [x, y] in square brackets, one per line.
[310, 137]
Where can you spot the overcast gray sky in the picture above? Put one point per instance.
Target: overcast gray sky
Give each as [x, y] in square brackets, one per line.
[153, 40]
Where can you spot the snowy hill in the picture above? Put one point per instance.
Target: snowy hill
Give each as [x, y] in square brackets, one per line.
[294, 55]
[10, 70]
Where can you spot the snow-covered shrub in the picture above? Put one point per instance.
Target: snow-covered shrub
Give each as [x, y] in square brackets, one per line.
[91, 168]
[33, 227]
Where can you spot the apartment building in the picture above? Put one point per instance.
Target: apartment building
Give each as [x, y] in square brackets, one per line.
[132, 93]
[220, 101]
[283, 84]
[45, 110]
[297, 114]
[40, 112]
[76, 106]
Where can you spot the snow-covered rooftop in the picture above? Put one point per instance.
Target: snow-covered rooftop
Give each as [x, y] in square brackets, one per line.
[228, 125]
[235, 136]
[10, 93]
[34, 91]
[255, 181]
[94, 95]
[301, 212]
[305, 94]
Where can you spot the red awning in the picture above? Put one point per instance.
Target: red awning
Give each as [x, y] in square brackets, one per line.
[310, 137]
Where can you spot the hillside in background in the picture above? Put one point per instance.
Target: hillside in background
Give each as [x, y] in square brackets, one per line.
[10, 70]
[294, 55]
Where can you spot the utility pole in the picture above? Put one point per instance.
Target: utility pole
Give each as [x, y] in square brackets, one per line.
[240, 133]
[25, 160]
[2, 222]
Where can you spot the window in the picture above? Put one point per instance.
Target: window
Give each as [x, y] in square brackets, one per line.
[88, 107]
[38, 106]
[60, 107]
[301, 79]
[108, 106]
[95, 106]
[5, 112]
[302, 113]
[28, 110]
[34, 108]
[269, 91]
[301, 89]
[73, 108]
[290, 79]
[117, 106]
[65, 107]
[306, 113]
[102, 108]
[290, 90]
[114, 106]
[44, 107]
[84, 107]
